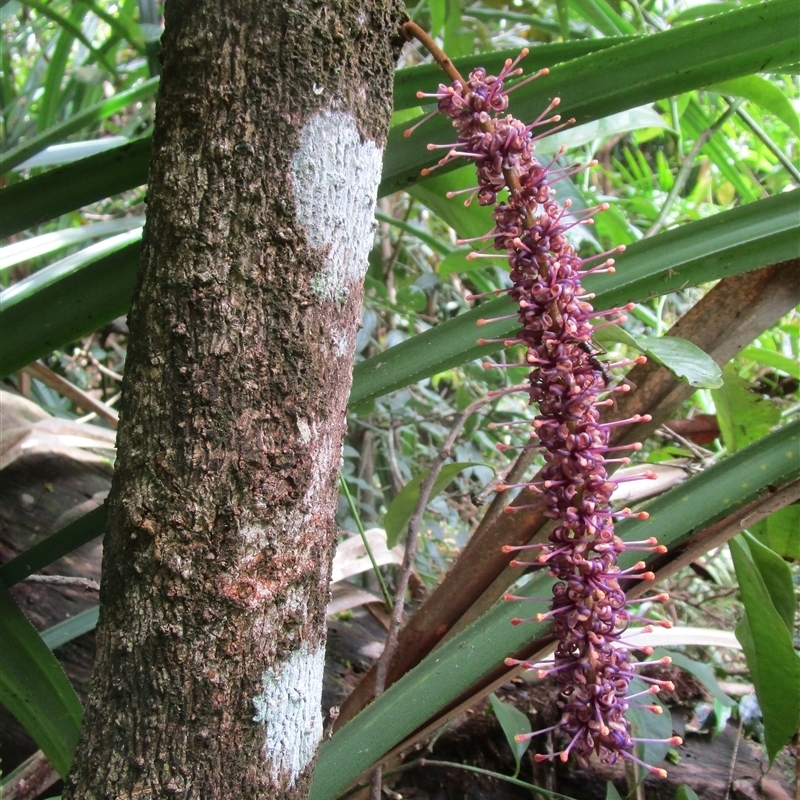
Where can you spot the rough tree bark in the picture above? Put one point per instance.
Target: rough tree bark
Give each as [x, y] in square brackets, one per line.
[267, 155]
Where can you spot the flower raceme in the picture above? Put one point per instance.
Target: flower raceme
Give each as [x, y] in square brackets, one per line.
[588, 611]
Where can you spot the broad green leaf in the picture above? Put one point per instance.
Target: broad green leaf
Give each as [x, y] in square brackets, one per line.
[743, 415]
[774, 664]
[765, 94]
[61, 543]
[726, 244]
[686, 793]
[71, 628]
[412, 298]
[703, 672]
[777, 578]
[479, 650]
[513, 722]
[683, 359]
[614, 334]
[402, 507]
[773, 359]
[781, 532]
[34, 688]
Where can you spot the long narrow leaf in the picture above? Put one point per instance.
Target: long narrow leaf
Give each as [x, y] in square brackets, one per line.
[71, 628]
[631, 74]
[83, 119]
[459, 664]
[736, 241]
[72, 186]
[51, 308]
[27, 249]
[60, 544]
[35, 689]
[425, 77]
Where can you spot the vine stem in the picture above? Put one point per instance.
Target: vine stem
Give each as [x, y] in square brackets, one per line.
[412, 539]
[413, 31]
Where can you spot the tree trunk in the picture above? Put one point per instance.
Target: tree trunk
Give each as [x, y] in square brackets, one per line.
[266, 161]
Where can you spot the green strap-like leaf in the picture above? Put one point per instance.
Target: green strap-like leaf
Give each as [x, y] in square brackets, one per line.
[64, 189]
[35, 689]
[593, 86]
[454, 668]
[61, 543]
[71, 628]
[58, 133]
[632, 74]
[54, 307]
[426, 77]
[736, 241]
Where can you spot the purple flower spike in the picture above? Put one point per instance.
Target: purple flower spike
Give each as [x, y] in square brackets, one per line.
[588, 613]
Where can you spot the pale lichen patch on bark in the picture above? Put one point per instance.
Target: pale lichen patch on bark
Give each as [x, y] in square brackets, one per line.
[289, 709]
[335, 179]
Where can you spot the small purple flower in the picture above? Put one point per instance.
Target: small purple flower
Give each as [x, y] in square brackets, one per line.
[589, 612]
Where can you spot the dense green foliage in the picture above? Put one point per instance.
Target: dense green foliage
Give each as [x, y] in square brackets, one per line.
[690, 111]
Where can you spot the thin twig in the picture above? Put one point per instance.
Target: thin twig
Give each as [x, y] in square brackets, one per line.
[104, 369]
[729, 782]
[404, 573]
[63, 580]
[698, 452]
[427, 762]
[769, 144]
[72, 392]
[360, 526]
[686, 168]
